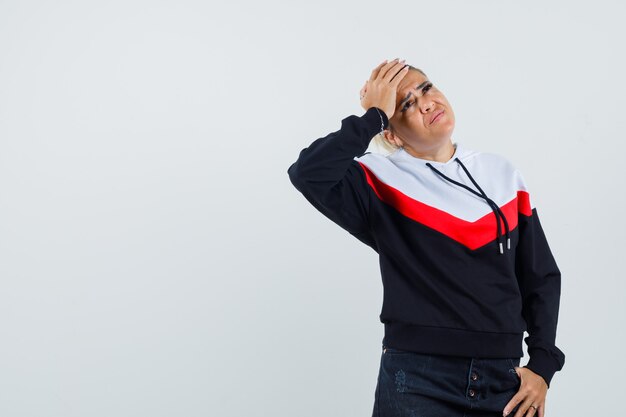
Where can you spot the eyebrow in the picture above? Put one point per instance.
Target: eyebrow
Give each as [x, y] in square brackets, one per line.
[409, 94]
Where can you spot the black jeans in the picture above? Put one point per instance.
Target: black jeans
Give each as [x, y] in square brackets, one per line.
[425, 385]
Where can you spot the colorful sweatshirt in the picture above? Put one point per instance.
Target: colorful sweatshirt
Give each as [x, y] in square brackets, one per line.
[465, 265]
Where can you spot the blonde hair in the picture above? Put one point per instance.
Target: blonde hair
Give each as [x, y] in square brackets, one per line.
[379, 140]
[383, 144]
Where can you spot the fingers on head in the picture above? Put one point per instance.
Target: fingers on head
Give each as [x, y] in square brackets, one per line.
[392, 71]
[381, 71]
[397, 73]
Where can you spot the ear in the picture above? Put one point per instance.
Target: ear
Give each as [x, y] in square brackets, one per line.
[392, 138]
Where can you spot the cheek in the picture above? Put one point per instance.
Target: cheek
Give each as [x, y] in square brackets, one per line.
[419, 117]
[417, 123]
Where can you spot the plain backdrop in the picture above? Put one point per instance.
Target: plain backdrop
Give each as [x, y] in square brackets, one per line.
[155, 259]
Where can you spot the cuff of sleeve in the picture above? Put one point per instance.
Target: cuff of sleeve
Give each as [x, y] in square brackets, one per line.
[542, 363]
[376, 120]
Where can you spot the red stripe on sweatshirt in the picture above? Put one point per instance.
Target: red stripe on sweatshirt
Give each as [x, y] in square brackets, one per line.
[471, 234]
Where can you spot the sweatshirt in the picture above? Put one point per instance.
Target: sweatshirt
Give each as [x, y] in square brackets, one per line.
[465, 264]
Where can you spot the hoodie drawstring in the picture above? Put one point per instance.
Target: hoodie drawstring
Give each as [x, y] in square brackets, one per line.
[496, 209]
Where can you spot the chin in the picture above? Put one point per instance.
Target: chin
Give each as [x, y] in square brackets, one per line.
[449, 126]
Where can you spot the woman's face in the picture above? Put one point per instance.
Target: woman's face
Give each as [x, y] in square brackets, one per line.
[418, 101]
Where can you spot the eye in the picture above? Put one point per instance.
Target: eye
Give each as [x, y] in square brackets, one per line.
[425, 90]
[407, 105]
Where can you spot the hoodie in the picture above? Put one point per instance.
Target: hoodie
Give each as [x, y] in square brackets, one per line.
[465, 264]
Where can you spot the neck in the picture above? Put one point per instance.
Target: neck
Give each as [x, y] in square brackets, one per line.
[441, 153]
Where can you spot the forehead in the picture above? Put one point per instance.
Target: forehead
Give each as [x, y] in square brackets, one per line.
[411, 80]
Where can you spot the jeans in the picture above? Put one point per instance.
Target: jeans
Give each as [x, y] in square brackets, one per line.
[426, 385]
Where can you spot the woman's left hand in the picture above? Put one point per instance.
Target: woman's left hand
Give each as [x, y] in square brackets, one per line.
[532, 392]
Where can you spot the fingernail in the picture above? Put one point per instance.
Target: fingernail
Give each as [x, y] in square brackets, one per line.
[505, 413]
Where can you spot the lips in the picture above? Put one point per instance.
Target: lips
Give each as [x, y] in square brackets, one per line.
[436, 117]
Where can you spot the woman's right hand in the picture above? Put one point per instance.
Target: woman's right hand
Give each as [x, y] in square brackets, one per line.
[381, 89]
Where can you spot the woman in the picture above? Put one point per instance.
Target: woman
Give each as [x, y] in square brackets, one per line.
[465, 264]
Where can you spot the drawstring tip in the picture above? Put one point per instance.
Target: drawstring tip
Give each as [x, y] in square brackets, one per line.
[501, 251]
[508, 243]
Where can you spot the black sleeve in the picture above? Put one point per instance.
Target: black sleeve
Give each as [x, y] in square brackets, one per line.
[332, 181]
[539, 279]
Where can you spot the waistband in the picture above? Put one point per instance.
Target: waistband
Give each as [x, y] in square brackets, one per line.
[456, 342]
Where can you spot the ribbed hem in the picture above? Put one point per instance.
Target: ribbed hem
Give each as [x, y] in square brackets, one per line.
[541, 363]
[455, 342]
[373, 117]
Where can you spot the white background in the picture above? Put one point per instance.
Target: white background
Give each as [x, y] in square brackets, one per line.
[155, 260]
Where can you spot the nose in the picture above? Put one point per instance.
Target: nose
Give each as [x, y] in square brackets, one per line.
[427, 105]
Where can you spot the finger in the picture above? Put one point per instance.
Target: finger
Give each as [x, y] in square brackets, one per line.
[384, 73]
[525, 409]
[540, 410]
[393, 71]
[376, 70]
[399, 76]
[513, 403]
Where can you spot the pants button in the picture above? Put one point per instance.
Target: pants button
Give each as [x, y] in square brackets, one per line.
[474, 376]
[471, 393]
